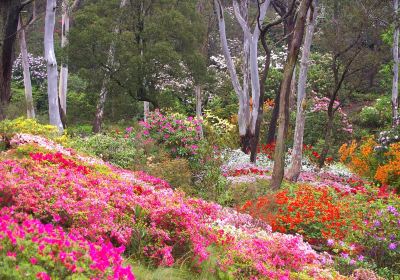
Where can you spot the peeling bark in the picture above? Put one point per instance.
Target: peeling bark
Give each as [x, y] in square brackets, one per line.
[395, 88]
[280, 149]
[30, 109]
[52, 73]
[297, 153]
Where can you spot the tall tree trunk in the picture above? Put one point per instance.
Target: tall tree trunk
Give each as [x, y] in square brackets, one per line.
[297, 152]
[9, 13]
[98, 120]
[63, 85]
[247, 120]
[197, 90]
[52, 73]
[279, 156]
[30, 110]
[274, 120]
[146, 109]
[395, 88]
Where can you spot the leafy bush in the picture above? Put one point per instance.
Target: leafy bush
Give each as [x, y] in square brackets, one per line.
[116, 149]
[178, 134]
[177, 172]
[220, 131]
[316, 213]
[9, 128]
[377, 238]
[370, 160]
[377, 115]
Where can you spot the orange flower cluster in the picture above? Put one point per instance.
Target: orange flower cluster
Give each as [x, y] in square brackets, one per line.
[268, 104]
[359, 160]
[390, 172]
[313, 212]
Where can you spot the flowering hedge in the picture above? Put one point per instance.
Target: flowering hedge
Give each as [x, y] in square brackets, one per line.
[316, 213]
[369, 160]
[105, 204]
[32, 248]
[179, 134]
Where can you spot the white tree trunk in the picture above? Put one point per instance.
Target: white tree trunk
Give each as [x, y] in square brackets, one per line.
[52, 73]
[297, 153]
[197, 90]
[146, 109]
[395, 88]
[63, 85]
[244, 110]
[104, 87]
[30, 109]
[246, 119]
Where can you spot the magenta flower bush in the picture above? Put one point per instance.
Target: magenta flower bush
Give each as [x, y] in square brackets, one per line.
[45, 251]
[103, 204]
[180, 135]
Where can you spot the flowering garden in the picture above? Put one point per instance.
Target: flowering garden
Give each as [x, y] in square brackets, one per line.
[72, 211]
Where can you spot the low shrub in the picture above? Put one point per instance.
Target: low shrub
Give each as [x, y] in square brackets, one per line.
[317, 213]
[41, 251]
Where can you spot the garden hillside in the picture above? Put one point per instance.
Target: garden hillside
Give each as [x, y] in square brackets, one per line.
[199, 139]
[83, 207]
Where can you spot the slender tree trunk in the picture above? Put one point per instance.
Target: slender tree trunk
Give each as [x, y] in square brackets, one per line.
[9, 14]
[279, 156]
[30, 111]
[292, 97]
[297, 152]
[274, 120]
[63, 85]
[246, 119]
[395, 88]
[146, 109]
[98, 120]
[197, 90]
[52, 73]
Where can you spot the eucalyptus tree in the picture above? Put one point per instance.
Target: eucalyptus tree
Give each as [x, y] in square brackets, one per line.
[247, 118]
[9, 16]
[52, 71]
[67, 8]
[395, 87]
[285, 89]
[295, 168]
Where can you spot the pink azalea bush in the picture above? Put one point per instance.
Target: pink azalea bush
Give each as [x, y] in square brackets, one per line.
[180, 135]
[32, 248]
[104, 204]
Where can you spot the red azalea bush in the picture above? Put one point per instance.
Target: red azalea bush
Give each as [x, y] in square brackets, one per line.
[316, 213]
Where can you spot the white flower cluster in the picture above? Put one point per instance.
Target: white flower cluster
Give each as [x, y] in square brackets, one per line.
[37, 69]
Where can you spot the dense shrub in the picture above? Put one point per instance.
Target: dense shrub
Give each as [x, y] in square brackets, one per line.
[180, 135]
[316, 213]
[41, 251]
[370, 160]
[116, 149]
[377, 115]
[377, 238]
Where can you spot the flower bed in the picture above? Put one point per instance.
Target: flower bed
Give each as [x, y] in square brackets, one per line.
[106, 204]
[32, 248]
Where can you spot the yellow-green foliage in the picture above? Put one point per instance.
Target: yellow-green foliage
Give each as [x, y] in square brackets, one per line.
[8, 128]
[175, 171]
[220, 131]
